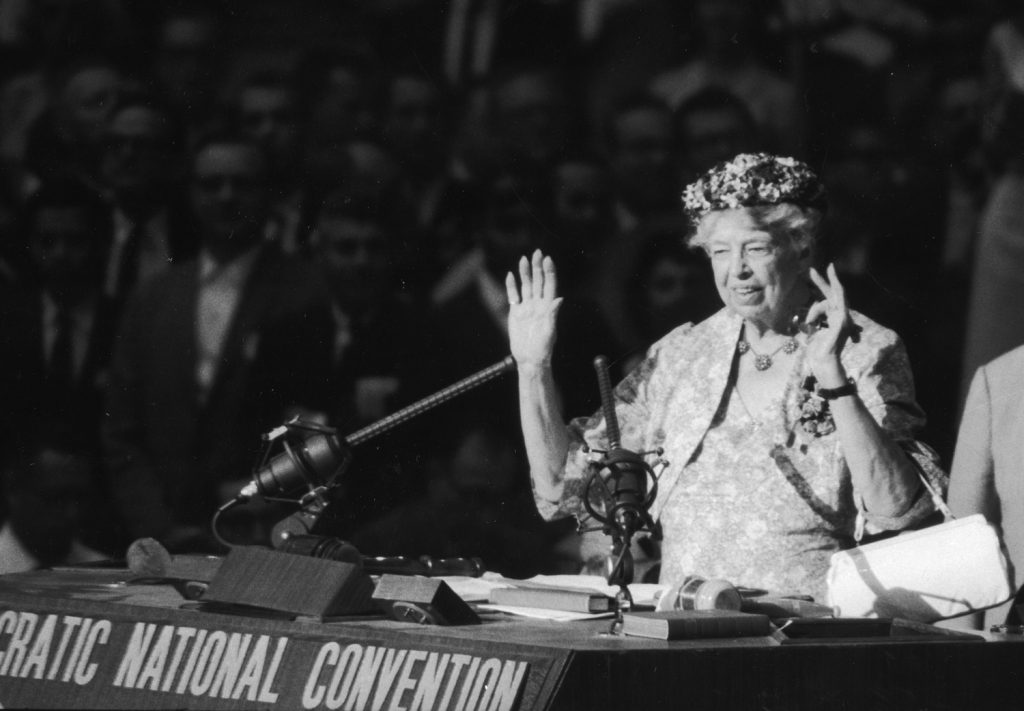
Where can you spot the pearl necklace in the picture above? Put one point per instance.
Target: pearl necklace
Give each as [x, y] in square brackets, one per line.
[763, 361]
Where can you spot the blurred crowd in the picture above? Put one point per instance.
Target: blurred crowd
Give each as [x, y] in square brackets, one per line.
[217, 215]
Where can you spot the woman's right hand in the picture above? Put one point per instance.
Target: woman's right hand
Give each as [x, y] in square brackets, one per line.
[533, 306]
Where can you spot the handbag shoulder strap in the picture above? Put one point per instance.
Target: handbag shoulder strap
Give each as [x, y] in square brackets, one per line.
[937, 499]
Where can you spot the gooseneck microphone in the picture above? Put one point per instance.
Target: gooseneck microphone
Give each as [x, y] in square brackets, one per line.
[314, 457]
[431, 401]
[627, 470]
[619, 482]
[317, 457]
[619, 478]
[604, 387]
[625, 495]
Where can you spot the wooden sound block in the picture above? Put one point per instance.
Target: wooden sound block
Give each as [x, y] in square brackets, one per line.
[315, 587]
[423, 600]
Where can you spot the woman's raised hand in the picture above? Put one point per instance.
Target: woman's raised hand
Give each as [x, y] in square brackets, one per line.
[533, 306]
[832, 313]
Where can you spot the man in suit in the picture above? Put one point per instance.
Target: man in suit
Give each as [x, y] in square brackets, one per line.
[142, 168]
[986, 473]
[374, 344]
[212, 354]
[266, 111]
[58, 329]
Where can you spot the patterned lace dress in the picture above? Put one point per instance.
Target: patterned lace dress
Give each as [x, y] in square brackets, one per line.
[760, 499]
[735, 515]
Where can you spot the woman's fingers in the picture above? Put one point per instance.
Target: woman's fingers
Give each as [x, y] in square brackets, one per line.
[838, 293]
[819, 281]
[832, 289]
[511, 289]
[537, 280]
[525, 279]
[537, 273]
[550, 290]
[833, 278]
[817, 312]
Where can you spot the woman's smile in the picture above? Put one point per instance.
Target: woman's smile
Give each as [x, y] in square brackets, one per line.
[747, 293]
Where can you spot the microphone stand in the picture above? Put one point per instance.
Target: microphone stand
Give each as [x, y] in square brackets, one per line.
[338, 453]
[430, 402]
[625, 495]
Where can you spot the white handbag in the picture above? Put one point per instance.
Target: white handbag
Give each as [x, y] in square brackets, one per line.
[946, 570]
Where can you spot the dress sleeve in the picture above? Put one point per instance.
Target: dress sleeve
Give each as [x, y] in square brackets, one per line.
[886, 386]
[633, 398]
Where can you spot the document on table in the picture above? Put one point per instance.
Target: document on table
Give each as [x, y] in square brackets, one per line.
[478, 590]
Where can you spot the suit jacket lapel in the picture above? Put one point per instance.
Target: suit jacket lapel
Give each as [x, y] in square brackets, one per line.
[101, 337]
[182, 325]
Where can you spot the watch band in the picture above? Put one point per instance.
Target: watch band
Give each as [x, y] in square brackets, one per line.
[848, 388]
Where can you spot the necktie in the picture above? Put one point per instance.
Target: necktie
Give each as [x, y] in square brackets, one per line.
[61, 372]
[128, 269]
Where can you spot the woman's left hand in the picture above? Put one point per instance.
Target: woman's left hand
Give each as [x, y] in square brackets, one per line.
[830, 325]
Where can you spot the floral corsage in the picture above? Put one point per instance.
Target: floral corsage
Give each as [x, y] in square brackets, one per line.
[815, 414]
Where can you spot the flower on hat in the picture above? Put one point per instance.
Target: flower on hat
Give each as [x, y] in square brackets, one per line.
[752, 179]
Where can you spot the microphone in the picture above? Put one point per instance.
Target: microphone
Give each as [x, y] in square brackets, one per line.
[625, 497]
[318, 457]
[627, 500]
[314, 459]
[315, 456]
[628, 470]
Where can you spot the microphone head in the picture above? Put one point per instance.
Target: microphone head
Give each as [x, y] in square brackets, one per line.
[313, 461]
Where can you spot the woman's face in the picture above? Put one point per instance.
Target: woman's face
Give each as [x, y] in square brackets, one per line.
[758, 276]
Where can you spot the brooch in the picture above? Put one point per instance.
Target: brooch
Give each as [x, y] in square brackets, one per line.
[815, 415]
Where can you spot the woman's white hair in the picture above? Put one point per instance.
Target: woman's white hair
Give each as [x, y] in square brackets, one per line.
[793, 226]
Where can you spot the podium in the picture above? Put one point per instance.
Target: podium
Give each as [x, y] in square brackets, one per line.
[90, 639]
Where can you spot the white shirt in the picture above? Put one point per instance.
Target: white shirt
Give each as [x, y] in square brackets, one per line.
[82, 317]
[494, 297]
[342, 332]
[471, 272]
[461, 273]
[220, 290]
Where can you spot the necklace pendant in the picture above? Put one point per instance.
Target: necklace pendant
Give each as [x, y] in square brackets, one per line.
[790, 347]
[763, 362]
[742, 347]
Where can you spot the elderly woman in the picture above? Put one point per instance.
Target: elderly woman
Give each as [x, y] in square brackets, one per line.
[788, 420]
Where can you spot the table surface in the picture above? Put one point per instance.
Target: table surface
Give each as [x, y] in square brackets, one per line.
[918, 667]
[115, 586]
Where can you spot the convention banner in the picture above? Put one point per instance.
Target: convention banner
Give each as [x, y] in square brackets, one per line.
[86, 654]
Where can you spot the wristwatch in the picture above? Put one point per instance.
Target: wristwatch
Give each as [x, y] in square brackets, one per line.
[847, 388]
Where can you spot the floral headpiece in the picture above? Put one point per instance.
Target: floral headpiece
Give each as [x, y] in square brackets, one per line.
[752, 179]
